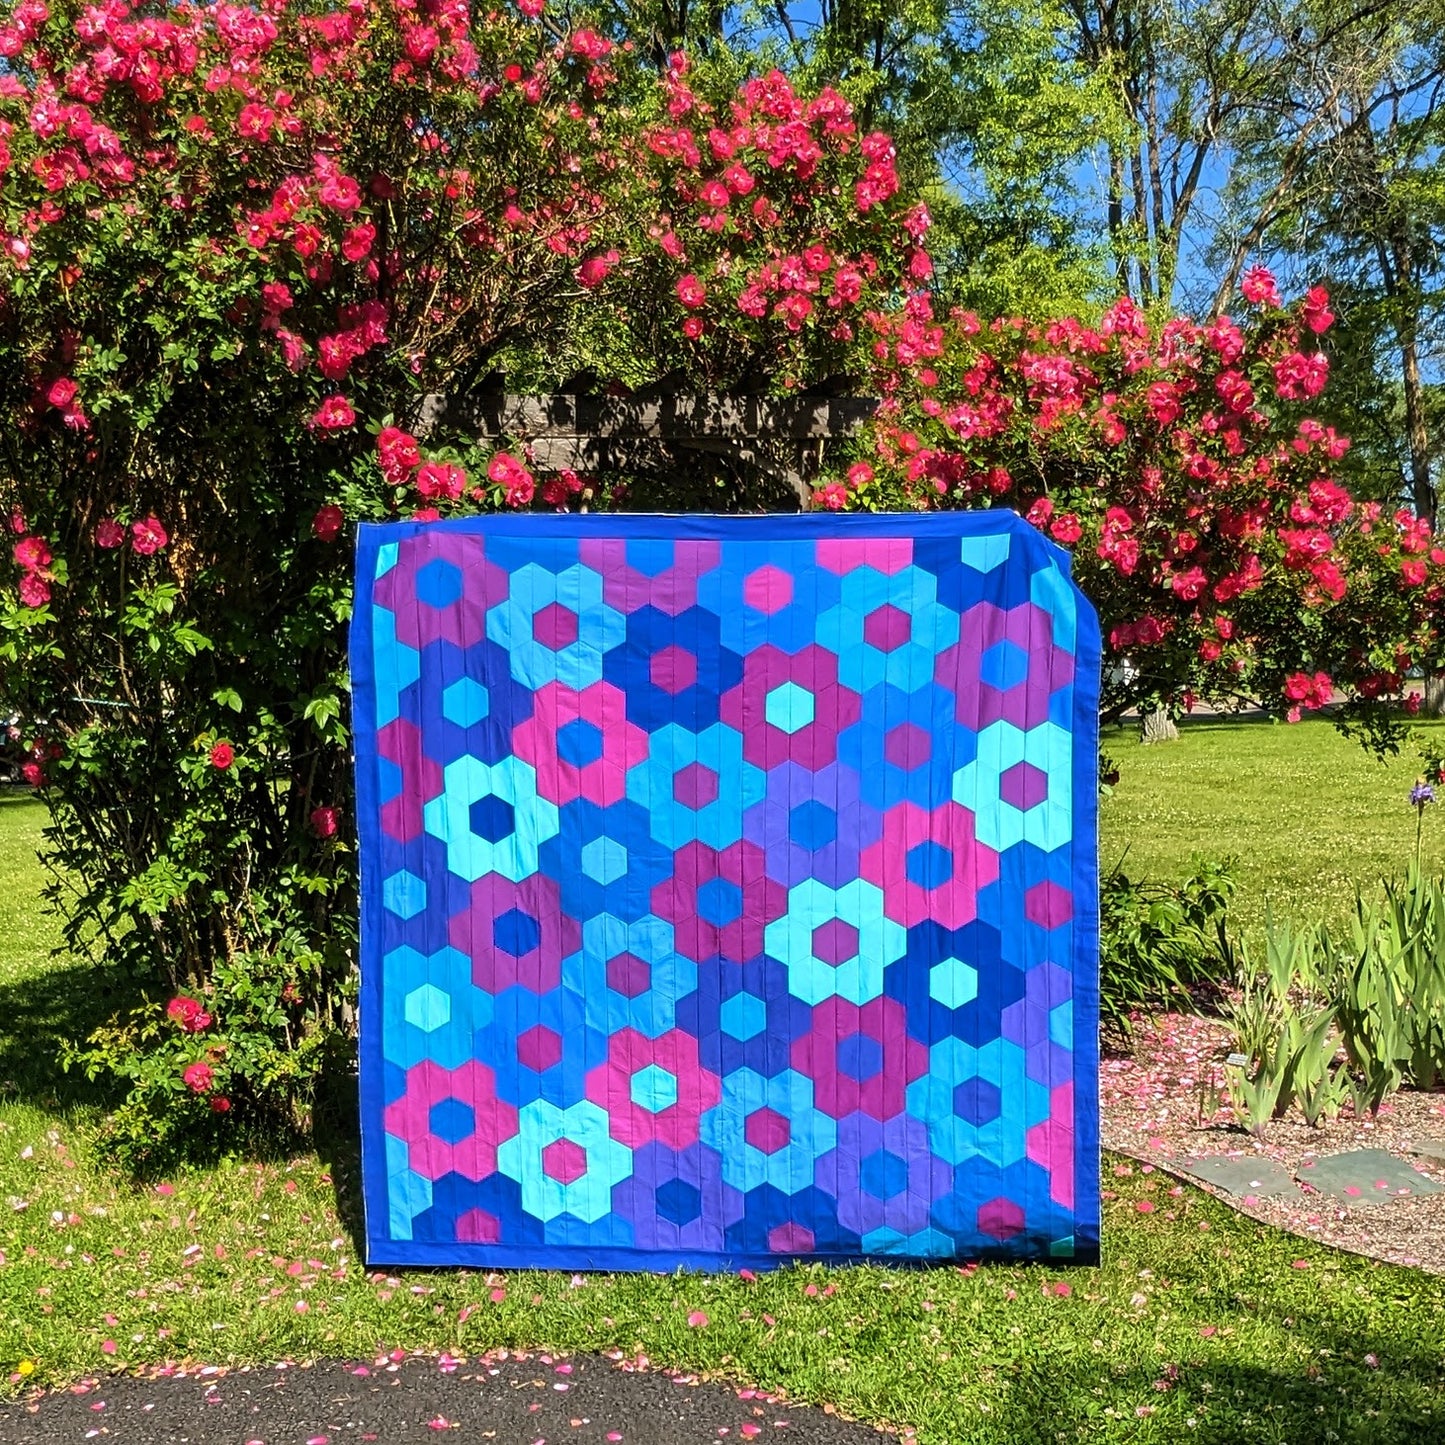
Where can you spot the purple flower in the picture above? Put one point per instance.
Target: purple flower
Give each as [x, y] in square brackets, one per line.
[1421, 794]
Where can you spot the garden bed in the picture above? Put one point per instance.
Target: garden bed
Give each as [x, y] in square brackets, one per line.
[1154, 1108]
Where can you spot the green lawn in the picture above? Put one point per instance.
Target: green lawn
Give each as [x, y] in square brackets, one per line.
[1308, 814]
[1201, 1325]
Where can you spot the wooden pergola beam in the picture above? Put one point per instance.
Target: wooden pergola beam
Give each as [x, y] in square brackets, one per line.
[663, 419]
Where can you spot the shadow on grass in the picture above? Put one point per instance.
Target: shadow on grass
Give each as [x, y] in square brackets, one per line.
[42, 1012]
[39, 1013]
[1224, 1402]
[336, 1137]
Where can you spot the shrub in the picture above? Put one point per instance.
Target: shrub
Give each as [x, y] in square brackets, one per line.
[237, 244]
[1158, 942]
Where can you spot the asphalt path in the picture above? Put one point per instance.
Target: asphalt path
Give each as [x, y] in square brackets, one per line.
[532, 1400]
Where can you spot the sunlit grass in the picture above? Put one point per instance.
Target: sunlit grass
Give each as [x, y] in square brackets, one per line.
[1308, 813]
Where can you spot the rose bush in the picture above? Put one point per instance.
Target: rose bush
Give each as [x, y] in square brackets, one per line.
[1183, 466]
[238, 245]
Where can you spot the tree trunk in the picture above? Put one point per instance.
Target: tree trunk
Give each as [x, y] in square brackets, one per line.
[1157, 727]
[1433, 702]
[1408, 324]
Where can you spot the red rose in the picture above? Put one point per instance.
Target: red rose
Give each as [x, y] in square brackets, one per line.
[62, 392]
[327, 523]
[220, 1104]
[222, 756]
[32, 553]
[109, 533]
[147, 536]
[199, 1078]
[324, 822]
[34, 590]
[334, 414]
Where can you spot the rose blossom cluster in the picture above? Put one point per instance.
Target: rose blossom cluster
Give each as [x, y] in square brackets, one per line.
[1201, 504]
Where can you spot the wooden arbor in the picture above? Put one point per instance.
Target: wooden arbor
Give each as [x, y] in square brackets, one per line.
[740, 447]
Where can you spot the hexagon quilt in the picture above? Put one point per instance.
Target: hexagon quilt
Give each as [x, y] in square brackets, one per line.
[729, 891]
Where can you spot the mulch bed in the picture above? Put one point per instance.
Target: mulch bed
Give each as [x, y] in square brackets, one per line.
[1154, 1107]
[514, 1398]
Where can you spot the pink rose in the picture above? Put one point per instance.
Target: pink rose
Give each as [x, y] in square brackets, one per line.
[147, 536]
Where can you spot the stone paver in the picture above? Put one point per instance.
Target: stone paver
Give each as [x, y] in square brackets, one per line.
[1364, 1176]
[1244, 1178]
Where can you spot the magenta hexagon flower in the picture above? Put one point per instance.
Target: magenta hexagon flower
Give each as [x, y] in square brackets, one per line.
[654, 1090]
[515, 933]
[580, 743]
[451, 1120]
[440, 589]
[860, 1059]
[719, 902]
[649, 573]
[790, 708]
[929, 865]
[1004, 665]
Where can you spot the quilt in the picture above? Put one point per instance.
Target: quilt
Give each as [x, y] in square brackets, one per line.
[729, 891]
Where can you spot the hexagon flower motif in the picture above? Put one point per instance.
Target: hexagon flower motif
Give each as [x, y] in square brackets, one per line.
[653, 1089]
[990, 787]
[629, 975]
[451, 1120]
[929, 865]
[516, 933]
[676, 1198]
[1006, 666]
[949, 1100]
[650, 572]
[768, 1131]
[580, 743]
[719, 903]
[860, 1059]
[836, 941]
[887, 629]
[466, 702]
[673, 669]
[556, 627]
[681, 784]
[812, 824]
[431, 1008]
[565, 1160]
[790, 708]
[606, 860]
[440, 589]
[760, 604]
[491, 818]
[919, 746]
[898, 1179]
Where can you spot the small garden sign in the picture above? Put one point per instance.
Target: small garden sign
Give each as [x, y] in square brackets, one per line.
[729, 891]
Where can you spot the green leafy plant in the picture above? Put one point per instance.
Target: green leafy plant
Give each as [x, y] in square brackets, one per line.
[1286, 1044]
[1389, 985]
[1158, 941]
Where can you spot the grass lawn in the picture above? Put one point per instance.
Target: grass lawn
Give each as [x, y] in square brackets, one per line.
[1201, 1325]
[1308, 814]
